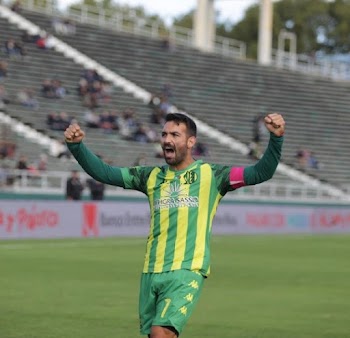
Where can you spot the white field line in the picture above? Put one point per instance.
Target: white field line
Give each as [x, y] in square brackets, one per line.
[74, 244]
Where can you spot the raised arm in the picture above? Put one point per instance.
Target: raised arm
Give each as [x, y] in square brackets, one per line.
[91, 163]
[265, 168]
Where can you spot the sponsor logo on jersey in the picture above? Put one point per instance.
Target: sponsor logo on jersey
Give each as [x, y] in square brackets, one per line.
[175, 196]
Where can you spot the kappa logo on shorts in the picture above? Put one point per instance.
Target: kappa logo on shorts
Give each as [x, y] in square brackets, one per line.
[189, 297]
[183, 310]
[194, 284]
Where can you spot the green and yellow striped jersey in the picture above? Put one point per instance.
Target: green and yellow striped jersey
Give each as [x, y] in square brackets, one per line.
[183, 204]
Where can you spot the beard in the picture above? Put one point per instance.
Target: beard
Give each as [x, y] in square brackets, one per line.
[175, 158]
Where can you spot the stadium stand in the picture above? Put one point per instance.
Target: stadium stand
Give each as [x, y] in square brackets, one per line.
[38, 65]
[226, 94]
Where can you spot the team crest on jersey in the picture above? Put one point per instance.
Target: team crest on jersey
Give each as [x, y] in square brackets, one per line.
[190, 177]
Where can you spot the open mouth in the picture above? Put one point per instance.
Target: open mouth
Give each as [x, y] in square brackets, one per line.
[169, 151]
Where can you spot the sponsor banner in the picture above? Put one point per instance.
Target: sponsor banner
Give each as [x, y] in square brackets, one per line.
[58, 219]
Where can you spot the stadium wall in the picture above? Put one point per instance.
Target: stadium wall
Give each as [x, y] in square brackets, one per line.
[40, 218]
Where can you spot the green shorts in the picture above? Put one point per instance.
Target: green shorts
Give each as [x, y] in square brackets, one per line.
[168, 298]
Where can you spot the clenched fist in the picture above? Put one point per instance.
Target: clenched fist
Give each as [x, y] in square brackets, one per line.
[275, 123]
[74, 134]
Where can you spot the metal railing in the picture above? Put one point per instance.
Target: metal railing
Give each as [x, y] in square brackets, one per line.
[130, 22]
[303, 63]
[54, 182]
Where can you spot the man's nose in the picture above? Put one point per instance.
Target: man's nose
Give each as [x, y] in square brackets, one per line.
[167, 138]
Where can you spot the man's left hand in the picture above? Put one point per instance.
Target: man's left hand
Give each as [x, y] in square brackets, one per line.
[275, 123]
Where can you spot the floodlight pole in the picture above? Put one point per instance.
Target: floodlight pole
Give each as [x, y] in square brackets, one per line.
[265, 32]
[204, 25]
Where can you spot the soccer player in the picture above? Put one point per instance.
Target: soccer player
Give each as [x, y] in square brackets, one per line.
[183, 197]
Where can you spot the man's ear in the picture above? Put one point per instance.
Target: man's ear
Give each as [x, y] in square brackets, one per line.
[191, 141]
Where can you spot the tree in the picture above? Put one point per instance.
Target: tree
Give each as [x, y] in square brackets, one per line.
[185, 20]
[308, 19]
[247, 30]
[319, 25]
[339, 37]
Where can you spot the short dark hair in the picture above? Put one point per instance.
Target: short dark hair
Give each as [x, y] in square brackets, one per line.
[182, 118]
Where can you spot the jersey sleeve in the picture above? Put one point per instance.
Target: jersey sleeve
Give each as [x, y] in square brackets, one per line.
[136, 177]
[231, 178]
[128, 178]
[94, 166]
[222, 178]
[265, 168]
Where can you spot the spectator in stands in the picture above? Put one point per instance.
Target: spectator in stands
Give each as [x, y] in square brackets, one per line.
[144, 134]
[107, 122]
[92, 89]
[302, 156]
[49, 41]
[11, 49]
[3, 69]
[16, 6]
[164, 104]
[7, 149]
[74, 187]
[167, 90]
[167, 44]
[47, 89]
[7, 177]
[27, 99]
[65, 120]
[59, 90]
[22, 163]
[58, 121]
[63, 27]
[45, 41]
[52, 121]
[157, 116]
[94, 92]
[91, 119]
[97, 189]
[30, 38]
[42, 162]
[22, 51]
[313, 161]
[91, 75]
[106, 91]
[53, 89]
[83, 87]
[114, 118]
[127, 124]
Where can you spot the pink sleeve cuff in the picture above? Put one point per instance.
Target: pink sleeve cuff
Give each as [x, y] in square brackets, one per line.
[236, 177]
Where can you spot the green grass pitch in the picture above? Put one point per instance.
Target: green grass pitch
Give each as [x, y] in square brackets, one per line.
[260, 287]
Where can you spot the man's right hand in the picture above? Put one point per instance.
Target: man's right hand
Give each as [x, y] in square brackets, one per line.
[74, 134]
